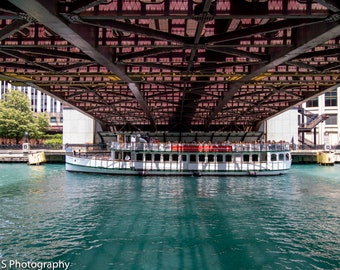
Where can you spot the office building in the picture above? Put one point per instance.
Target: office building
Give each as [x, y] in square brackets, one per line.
[324, 111]
[314, 123]
[40, 102]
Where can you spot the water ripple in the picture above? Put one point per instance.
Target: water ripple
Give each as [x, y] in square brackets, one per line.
[105, 222]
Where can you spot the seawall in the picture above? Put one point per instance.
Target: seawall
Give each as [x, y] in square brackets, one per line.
[18, 156]
[58, 156]
[309, 156]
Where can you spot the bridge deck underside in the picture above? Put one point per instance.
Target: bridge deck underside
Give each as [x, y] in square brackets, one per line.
[169, 65]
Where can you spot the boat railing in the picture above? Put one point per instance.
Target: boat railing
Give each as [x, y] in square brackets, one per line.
[200, 147]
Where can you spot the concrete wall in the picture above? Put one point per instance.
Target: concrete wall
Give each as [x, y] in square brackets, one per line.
[78, 128]
[81, 129]
[283, 127]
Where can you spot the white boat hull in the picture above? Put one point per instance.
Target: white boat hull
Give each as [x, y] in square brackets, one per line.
[107, 166]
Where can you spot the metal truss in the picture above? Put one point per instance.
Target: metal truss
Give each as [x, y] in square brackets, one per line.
[173, 65]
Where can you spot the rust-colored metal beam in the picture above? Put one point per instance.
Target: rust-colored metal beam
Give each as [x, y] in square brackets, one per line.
[27, 59]
[321, 33]
[14, 27]
[170, 65]
[260, 29]
[82, 5]
[45, 13]
[139, 30]
[330, 4]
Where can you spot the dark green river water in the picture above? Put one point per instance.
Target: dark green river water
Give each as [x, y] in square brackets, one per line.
[52, 219]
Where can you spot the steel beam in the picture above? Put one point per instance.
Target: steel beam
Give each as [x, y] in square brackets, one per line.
[135, 29]
[13, 28]
[330, 4]
[323, 32]
[259, 29]
[45, 13]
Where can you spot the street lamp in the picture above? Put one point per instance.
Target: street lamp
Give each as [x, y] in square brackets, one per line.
[26, 134]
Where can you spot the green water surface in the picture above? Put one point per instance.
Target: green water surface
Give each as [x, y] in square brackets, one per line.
[108, 222]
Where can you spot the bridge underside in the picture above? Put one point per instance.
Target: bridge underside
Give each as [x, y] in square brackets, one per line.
[170, 65]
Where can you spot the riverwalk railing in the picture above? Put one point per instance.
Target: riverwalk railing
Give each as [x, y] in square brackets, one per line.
[200, 147]
[32, 146]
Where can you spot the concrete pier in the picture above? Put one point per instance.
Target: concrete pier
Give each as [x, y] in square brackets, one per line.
[18, 156]
[309, 156]
[58, 156]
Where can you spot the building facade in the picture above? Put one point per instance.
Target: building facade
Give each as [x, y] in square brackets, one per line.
[327, 131]
[76, 128]
[314, 123]
[283, 127]
[40, 102]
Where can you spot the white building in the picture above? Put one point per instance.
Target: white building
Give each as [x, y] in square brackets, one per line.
[318, 118]
[78, 127]
[283, 127]
[40, 102]
[326, 132]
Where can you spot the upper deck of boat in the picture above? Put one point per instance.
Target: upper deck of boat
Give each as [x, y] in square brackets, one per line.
[201, 147]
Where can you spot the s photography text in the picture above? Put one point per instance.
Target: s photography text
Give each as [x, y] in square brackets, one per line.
[34, 265]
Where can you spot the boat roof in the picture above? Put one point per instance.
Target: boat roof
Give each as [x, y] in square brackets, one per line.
[189, 136]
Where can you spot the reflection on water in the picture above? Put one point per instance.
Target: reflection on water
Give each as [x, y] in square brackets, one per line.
[107, 222]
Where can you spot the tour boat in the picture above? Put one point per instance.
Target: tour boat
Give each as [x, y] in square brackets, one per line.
[133, 155]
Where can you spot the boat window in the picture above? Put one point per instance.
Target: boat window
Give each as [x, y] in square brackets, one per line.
[174, 157]
[273, 157]
[118, 155]
[238, 158]
[201, 158]
[228, 158]
[281, 157]
[287, 157]
[184, 157]
[255, 157]
[157, 157]
[127, 157]
[263, 156]
[210, 158]
[246, 158]
[148, 157]
[192, 158]
[139, 157]
[219, 158]
[166, 157]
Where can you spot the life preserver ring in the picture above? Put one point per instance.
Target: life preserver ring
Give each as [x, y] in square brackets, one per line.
[327, 147]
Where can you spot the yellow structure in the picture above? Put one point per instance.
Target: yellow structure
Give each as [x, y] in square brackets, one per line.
[325, 158]
[36, 158]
